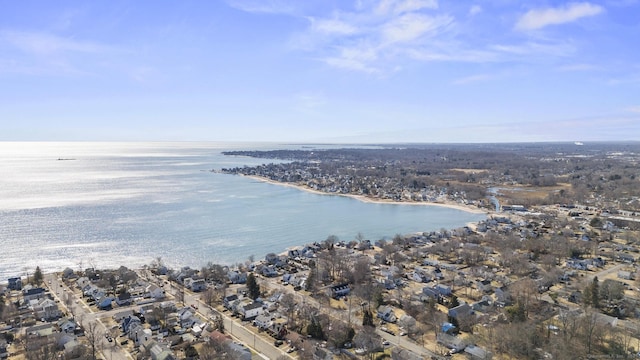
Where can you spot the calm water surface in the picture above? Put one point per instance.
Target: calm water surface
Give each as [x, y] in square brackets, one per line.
[112, 204]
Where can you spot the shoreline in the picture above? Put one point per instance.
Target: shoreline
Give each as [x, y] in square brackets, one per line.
[363, 198]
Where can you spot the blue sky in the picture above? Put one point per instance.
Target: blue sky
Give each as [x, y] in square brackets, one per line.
[320, 70]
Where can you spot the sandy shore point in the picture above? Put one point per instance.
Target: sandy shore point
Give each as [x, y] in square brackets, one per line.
[451, 205]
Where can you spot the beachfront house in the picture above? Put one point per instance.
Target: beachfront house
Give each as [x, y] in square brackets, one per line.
[15, 283]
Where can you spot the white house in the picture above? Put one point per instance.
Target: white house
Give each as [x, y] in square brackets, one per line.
[262, 321]
[47, 309]
[251, 311]
[154, 291]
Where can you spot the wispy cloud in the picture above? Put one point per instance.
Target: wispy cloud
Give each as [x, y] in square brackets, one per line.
[263, 6]
[472, 79]
[358, 58]
[540, 18]
[374, 36]
[634, 109]
[410, 27]
[397, 7]
[46, 44]
[381, 36]
[475, 10]
[577, 67]
[332, 27]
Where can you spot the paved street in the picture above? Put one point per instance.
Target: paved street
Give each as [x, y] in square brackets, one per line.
[345, 316]
[82, 313]
[245, 334]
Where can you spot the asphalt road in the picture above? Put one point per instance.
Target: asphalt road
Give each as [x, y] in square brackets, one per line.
[83, 314]
[245, 334]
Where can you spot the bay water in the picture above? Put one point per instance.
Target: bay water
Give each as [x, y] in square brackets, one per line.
[82, 204]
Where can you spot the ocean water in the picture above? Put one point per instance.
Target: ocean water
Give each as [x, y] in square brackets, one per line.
[110, 204]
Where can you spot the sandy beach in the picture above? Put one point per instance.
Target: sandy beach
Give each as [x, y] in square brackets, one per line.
[451, 205]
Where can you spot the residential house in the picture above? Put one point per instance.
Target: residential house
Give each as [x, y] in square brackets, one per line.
[484, 285]
[271, 258]
[158, 352]
[15, 283]
[68, 273]
[229, 300]
[460, 310]
[340, 290]
[625, 275]
[186, 317]
[483, 305]
[236, 277]
[66, 325]
[251, 311]
[421, 276]
[154, 291]
[286, 278]
[269, 271]
[407, 321]
[263, 321]
[198, 285]
[128, 323]
[33, 294]
[40, 336]
[47, 309]
[628, 258]
[443, 290]
[278, 328]
[295, 252]
[139, 334]
[124, 299]
[104, 303]
[386, 314]
[430, 293]
[83, 283]
[477, 353]
[239, 351]
[452, 342]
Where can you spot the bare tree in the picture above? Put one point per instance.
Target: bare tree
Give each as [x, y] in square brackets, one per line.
[93, 335]
[368, 340]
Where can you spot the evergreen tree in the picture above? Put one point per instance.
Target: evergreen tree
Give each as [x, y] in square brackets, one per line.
[252, 287]
[367, 318]
[190, 352]
[315, 329]
[309, 285]
[37, 276]
[595, 293]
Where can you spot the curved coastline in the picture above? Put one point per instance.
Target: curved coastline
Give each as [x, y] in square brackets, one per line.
[363, 198]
